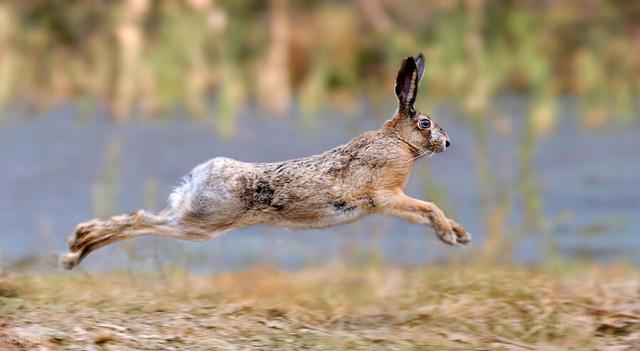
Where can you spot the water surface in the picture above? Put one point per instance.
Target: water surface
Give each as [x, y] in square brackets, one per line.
[60, 168]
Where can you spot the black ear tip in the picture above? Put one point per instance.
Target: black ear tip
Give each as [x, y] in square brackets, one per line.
[409, 63]
[420, 57]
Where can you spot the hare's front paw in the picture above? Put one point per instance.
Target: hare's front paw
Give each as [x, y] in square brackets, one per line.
[443, 229]
[448, 238]
[462, 236]
[453, 234]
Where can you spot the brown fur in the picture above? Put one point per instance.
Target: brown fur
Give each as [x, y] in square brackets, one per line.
[366, 175]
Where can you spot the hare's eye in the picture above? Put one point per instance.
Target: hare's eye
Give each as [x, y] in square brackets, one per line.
[424, 123]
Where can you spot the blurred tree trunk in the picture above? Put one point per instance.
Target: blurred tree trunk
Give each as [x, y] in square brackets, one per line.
[129, 36]
[274, 91]
[7, 57]
[375, 15]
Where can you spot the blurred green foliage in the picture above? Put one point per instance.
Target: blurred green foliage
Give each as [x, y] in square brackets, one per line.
[149, 56]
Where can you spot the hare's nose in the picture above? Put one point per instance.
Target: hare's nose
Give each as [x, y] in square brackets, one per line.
[447, 143]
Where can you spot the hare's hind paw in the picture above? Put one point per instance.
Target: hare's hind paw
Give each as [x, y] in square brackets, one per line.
[70, 260]
[84, 233]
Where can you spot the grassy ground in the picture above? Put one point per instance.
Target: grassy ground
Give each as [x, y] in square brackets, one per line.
[439, 308]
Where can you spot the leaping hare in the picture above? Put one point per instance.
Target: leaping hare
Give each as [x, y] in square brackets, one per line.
[366, 175]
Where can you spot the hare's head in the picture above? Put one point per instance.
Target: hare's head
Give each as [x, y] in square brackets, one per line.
[411, 125]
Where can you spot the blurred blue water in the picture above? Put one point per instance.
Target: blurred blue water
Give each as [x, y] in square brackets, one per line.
[588, 182]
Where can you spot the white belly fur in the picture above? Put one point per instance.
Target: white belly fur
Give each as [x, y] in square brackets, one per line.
[329, 218]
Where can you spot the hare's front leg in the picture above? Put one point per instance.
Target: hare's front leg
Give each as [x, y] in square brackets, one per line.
[423, 212]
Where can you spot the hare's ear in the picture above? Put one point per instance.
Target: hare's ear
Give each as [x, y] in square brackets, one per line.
[407, 80]
[421, 64]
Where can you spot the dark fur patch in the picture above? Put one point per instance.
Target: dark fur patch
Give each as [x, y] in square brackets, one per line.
[371, 202]
[257, 194]
[343, 207]
[280, 168]
[263, 193]
[339, 205]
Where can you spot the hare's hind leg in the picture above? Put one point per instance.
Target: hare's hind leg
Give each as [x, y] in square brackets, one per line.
[423, 212]
[96, 233]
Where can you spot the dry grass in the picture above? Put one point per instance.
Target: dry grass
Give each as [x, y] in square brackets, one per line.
[440, 308]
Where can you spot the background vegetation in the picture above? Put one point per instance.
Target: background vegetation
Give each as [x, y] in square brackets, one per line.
[150, 56]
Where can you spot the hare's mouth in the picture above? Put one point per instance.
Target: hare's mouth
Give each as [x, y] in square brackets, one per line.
[438, 148]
